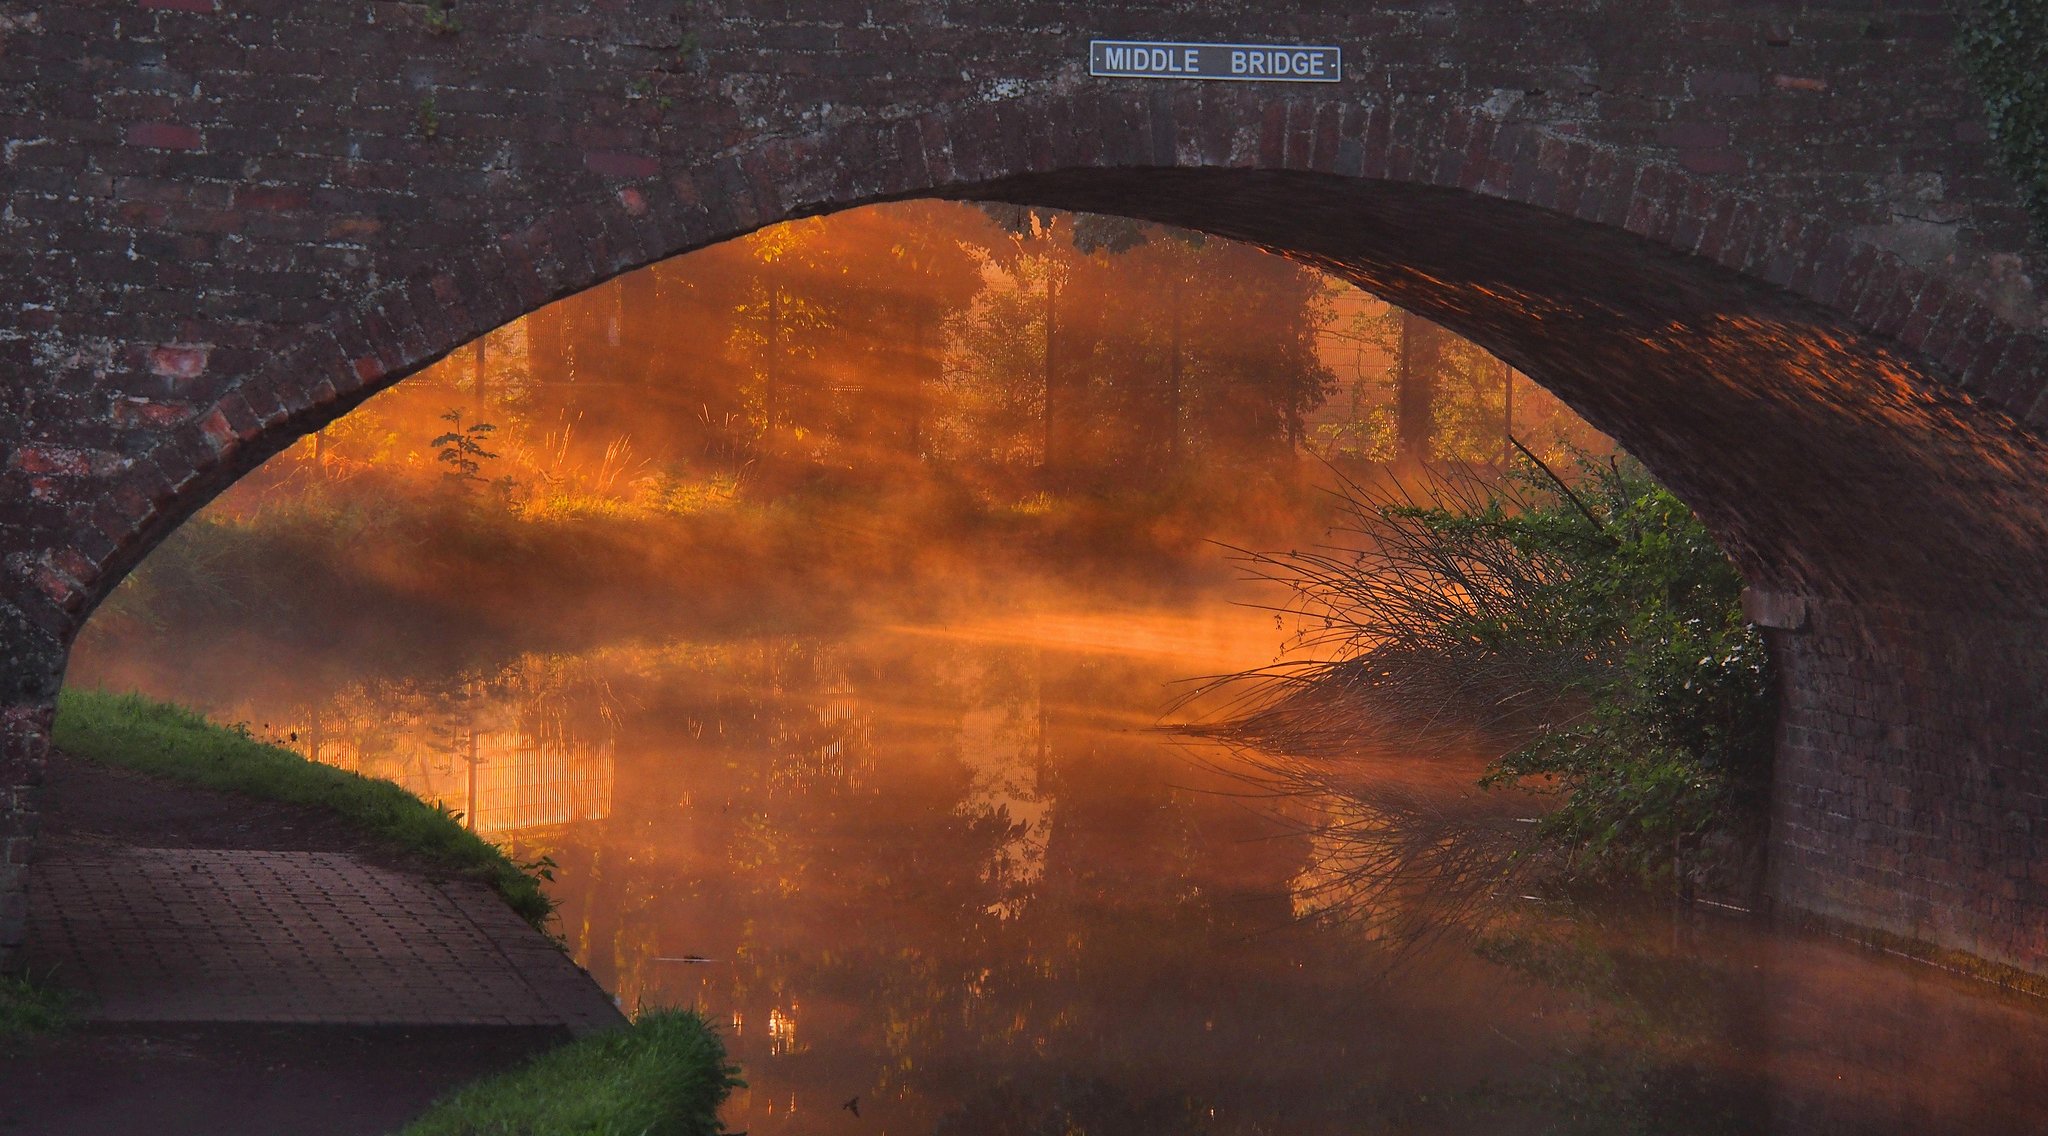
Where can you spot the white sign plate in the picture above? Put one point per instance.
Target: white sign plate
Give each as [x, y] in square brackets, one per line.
[1242, 62]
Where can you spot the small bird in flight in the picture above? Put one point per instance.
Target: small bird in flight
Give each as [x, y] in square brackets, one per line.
[853, 1106]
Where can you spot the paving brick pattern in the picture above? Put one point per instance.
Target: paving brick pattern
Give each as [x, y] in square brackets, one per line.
[185, 935]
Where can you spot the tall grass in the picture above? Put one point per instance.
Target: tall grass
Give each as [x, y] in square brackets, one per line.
[134, 732]
[1585, 635]
[1437, 615]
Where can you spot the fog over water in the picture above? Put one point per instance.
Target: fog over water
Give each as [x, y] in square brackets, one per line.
[815, 601]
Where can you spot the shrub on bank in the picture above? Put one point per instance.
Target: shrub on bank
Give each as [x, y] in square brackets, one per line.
[1590, 632]
[1665, 766]
[665, 1075]
[153, 737]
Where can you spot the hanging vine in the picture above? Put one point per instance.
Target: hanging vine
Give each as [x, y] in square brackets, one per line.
[2005, 47]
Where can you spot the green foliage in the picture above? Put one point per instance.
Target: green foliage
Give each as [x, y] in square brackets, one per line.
[1590, 635]
[31, 1006]
[461, 448]
[154, 737]
[441, 20]
[2005, 47]
[1670, 754]
[1463, 417]
[665, 1076]
[428, 120]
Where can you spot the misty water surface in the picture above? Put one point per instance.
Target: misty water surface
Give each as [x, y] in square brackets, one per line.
[951, 870]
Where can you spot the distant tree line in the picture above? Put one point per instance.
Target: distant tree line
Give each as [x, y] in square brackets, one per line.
[1071, 344]
[1061, 349]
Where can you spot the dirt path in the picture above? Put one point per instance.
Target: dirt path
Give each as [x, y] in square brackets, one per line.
[343, 1016]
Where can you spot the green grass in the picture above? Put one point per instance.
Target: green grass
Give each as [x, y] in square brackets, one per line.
[30, 1007]
[666, 1075]
[153, 737]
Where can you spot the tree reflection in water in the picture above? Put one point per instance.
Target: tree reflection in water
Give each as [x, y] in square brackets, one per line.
[987, 874]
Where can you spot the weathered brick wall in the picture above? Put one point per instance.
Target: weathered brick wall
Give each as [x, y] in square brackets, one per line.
[1760, 243]
[24, 739]
[1911, 779]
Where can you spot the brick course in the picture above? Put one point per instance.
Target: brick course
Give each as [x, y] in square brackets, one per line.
[1910, 785]
[1761, 244]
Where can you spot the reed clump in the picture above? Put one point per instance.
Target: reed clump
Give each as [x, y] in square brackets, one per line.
[1579, 634]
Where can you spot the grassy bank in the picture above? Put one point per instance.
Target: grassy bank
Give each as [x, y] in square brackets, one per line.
[666, 1075]
[157, 738]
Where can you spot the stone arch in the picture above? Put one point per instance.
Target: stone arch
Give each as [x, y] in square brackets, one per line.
[1830, 383]
[1785, 309]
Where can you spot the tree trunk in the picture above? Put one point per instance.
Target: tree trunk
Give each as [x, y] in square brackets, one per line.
[469, 817]
[924, 351]
[772, 353]
[1507, 411]
[547, 345]
[482, 373]
[1420, 356]
[1052, 297]
[1173, 381]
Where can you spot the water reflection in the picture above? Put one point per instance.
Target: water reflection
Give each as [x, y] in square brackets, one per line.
[950, 871]
[529, 746]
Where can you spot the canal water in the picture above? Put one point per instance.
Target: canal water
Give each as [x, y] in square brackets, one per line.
[950, 877]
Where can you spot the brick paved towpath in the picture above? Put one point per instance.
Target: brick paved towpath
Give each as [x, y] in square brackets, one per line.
[256, 968]
[241, 935]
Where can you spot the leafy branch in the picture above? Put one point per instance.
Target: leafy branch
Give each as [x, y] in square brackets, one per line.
[462, 448]
[441, 18]
[2004, 46]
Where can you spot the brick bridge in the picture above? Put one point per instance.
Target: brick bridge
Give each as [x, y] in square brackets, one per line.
[1762, 243]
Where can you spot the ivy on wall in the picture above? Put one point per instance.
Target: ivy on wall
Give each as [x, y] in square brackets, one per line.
[2005, 47]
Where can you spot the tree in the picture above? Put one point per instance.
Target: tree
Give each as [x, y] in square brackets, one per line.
[462, 449]
[780, 324]
[1152, 344]
[1420, 364]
